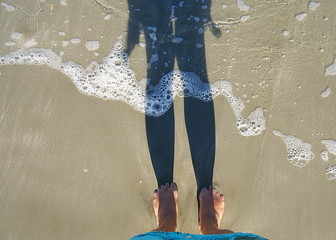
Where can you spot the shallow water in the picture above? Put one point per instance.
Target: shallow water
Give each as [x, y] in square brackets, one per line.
[271, 73]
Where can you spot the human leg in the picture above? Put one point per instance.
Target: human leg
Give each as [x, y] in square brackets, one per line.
[165, 207]
[211, 212]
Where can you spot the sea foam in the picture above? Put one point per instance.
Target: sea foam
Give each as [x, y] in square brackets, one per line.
[298, 152]
[113, 79]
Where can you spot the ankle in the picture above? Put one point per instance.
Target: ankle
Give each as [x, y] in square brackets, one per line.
[166, 227]
[209, 228]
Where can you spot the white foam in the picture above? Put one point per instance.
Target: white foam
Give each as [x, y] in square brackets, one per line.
[65, 43]
[245, 18]
[61, 33]
[298, 152]
[324, 155]
[285, 32]
[63, 2]
[154, 58]
[177, 40]
[114, 79]
[92, 45]
[330, 145]
[8, 7]
[199, 45]
[75, 40]
[107, 16]
[331, 172]
[152, 28]
[16, 35]
[313, 6]
[242, 6]
[30, 43]
[254, 125]
[301, 16]
[326, 92]
[331, 69]
[9, 44]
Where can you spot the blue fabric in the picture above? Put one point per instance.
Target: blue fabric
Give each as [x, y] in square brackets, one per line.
[179, 235]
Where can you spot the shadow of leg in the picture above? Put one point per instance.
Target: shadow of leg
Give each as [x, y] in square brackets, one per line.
[160, 58]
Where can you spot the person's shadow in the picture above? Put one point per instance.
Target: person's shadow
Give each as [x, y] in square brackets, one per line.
[175, 30]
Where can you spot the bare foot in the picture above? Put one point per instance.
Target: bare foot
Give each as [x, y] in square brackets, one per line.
[165, 207]
[211, 212]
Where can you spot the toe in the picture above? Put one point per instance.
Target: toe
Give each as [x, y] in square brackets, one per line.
[216, 194]
[173, 186]
[156, 194]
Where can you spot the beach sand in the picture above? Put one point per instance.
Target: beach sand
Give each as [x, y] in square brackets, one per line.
[73, 166]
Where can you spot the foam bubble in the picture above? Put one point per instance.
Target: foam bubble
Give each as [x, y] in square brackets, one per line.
[75, 40]
[114, 79]
[330, 145]
[9, 44]
[16, 35]
[326, 92]
[324, 155]
[154, 58]
[92, 45]
[299, 152]
[30, 43]
[61, 33]
[313, 6]
[331, 69]
[331, 172]
[285, 32]
[177, 40]
[301, 16]
[8, 7]
[63, 2]
[65, 43]
[242, 6]
[107, 16]
[245, 18]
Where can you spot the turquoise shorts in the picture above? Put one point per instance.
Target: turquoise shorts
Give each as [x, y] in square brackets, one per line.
[179, 235]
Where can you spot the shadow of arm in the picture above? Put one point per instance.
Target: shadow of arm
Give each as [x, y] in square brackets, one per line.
[133, 26]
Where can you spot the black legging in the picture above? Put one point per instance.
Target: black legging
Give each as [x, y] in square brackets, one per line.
[155, 19]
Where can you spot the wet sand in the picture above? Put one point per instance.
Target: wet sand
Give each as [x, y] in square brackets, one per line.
[77, 167]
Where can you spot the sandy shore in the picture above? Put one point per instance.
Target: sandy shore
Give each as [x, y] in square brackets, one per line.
[74, 166]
